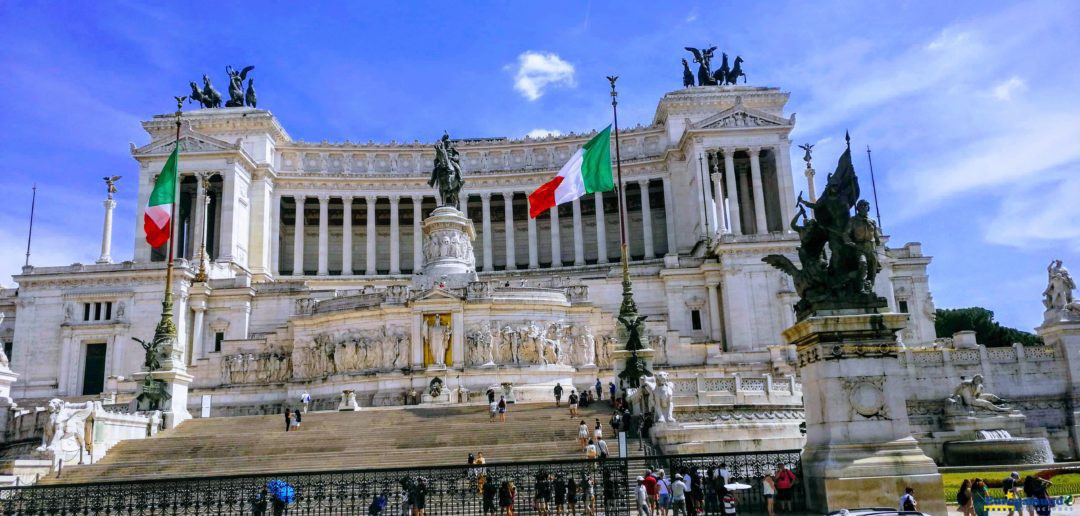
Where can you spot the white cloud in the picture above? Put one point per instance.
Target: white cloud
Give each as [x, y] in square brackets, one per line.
[1005, 90]
[540, 133]
[1041, 217]
[537, 71]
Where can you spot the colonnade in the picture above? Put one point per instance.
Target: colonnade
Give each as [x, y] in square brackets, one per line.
[383, 242]
[745, 198]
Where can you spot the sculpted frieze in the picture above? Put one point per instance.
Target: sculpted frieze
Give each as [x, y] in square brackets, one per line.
[351, 351]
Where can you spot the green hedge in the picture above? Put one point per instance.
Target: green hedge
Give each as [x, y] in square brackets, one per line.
[1066, 480]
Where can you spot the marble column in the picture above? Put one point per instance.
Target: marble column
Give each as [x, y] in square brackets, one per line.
[275, 234]
[785, 184]
[198, 349]
[395, 236]
[721, 205]
[761, 227]
[732, 191]
[106, 232]
[463, 204]
[369, 268]
[556, 242]
[324, 235]
[198, 214]
[534, 255]
[508, 217]
[646, 219]
[485, 208]
[601, 230]
[346, 235]
[579, 237]
[298, 238]
[714, 312]
[669, 216]
[418, 235]
[175, 227]
[710, 204]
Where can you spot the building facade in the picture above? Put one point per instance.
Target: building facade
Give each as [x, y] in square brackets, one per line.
[313, 253]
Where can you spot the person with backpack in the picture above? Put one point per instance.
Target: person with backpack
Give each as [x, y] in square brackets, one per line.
[963, 498]
[558, 394]
[573, 403]
[1010, 488]
[907, 502]
[980, 497]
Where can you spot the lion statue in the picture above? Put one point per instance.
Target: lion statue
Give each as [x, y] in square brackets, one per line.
[65, 432]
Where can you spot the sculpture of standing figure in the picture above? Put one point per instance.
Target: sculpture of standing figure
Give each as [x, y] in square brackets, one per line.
[437, 339]
[110, 185]
[1059, 286]
[588, 347]
[236, 85]
[702, 57]
[863, 235]
[447, 172]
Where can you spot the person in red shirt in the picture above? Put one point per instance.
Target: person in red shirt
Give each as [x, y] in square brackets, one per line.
[785, 483]
[651, 489]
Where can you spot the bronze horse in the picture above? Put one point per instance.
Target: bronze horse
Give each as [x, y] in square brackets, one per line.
[208, 97]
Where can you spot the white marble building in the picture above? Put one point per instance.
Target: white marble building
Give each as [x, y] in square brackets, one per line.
[313, 250]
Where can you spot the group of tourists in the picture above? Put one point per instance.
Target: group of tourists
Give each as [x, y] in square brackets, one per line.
[292, 419]
[974, 496]
[496, 408]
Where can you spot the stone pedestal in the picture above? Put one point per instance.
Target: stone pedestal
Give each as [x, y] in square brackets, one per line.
[449, 261]
[176, 384]
[859, 450]
[1061, 329]
[7, 377]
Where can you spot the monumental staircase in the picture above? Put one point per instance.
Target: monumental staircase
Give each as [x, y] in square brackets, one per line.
[380, 437]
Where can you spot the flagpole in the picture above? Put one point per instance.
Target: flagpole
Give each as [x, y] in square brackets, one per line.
[628, 306]
[873, 184]
[166, 328]
[30, 233]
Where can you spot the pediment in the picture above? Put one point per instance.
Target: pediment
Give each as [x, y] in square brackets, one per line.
[190, 142]
[739, 116]
[437, 294]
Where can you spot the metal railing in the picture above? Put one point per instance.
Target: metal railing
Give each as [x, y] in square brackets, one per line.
[599, 487]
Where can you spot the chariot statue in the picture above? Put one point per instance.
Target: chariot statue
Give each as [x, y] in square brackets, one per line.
[446, 174]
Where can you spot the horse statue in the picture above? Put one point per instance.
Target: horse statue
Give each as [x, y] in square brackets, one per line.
[687, 75]
[720, 76]
[736, 72]
[702, 57]
[210, 96]
[197, 96]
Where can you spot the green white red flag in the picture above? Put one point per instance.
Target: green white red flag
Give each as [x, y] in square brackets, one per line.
[588, 171]
[157, 219]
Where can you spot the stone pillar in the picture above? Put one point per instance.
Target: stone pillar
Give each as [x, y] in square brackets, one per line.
[760, 225]
[601, 229]
[859, 449]
[198, 348]
[721, 206]
[669, 217]
[275, 234]
[579, 238]
[346, 235]
[508, 217]
[369, 268]
[106, 233]
[714, 311]
[534, 258]
[485, 208]
[418, 236]
[395, 237]
[198, 214]
[298, 238]
[784, 184]
[556, 242]
[810, 183]
[732, 191]
[646, 218]
[324, 235]
[710, 204]
[1061, 330]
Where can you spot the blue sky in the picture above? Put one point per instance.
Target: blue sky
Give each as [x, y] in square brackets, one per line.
[971, 107]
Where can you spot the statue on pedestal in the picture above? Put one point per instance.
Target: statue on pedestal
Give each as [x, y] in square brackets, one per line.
[447, 172]
[970, 394]
[1059, 286]
[64, 436]
[437, 340]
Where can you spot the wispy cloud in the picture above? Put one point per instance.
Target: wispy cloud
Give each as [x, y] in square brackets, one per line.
[1005, 90]
[540, 133]
[538, 71]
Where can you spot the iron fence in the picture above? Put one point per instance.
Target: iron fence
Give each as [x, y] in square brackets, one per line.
[599, 487]
[747, 468]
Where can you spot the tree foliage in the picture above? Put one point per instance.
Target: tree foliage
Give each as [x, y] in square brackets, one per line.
[987, 331]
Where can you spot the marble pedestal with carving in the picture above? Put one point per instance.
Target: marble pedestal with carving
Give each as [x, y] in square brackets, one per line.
[859, 449]
[449, 261]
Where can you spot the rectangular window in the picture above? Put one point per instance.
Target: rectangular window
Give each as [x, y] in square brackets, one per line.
[108, 311]
[86, 312]
[97, 311]
[695, 320]
[903, 306]
[94, 369]
[218, 337]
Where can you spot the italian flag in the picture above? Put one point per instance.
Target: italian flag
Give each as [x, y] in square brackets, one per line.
[157, 219]
[588, 171]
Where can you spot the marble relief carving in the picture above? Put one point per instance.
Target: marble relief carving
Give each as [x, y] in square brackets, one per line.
[531, 343]
[351, 351]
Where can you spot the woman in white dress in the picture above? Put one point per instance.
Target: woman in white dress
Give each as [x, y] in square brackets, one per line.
[583, 434]
[598, 433]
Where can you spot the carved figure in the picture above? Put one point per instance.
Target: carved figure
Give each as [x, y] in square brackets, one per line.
[849, 245]
[208, 97]
[249, 95]
[970, 394]
[1059, 288]
[513, 338]
[152, 360]
[236, 85]
[721, 73]
[702, 57]
[110, 184]
[662, 396]
[447, 172]
[65, 431]
[687, 75]
[806, 157]
[435, 387]
[437, 339]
